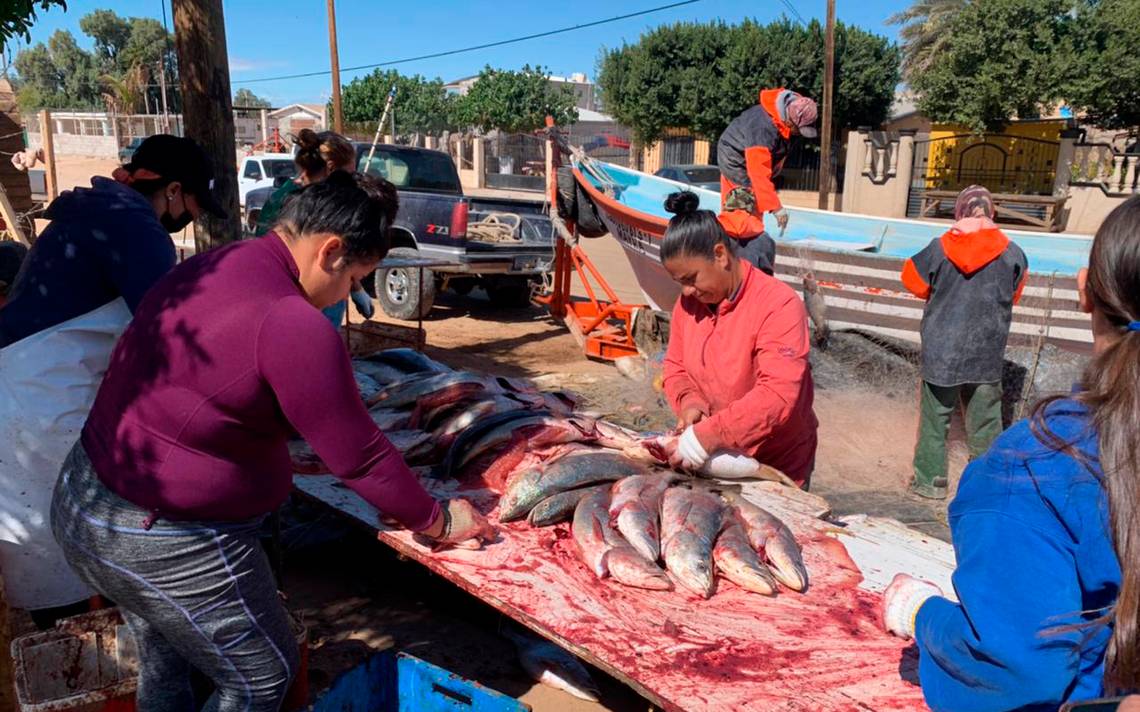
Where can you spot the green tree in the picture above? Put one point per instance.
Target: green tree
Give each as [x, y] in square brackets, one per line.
[925, 32]
[1004, 58]
[1105, 81]
[16, 17]
[58, 75]
[110, 32]
[515, 101]
[124, 94]
[699, 76]
[421, 105]
[246, 99]
[127, 51]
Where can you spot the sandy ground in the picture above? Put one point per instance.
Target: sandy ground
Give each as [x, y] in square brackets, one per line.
[356, 596]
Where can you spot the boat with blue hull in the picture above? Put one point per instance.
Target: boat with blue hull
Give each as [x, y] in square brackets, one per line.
[855, 258]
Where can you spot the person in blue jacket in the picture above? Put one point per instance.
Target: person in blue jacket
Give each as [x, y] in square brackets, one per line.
[1041, 526]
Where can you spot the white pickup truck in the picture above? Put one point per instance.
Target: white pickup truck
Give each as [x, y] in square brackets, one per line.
[265, 170]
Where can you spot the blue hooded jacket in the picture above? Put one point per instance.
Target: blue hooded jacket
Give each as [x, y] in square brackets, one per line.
[1030, 530]
[104, 242]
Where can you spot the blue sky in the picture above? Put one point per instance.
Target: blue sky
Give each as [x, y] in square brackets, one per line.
[290, 36]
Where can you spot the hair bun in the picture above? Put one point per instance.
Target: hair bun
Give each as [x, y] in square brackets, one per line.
[683, 202]
[308, 139]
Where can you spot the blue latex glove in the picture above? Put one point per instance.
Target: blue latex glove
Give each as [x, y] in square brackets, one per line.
[362, 301]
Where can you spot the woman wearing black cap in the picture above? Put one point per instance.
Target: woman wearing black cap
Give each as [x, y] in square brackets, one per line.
[106, 245]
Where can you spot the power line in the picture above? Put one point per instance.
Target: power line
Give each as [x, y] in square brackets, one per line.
[488, 45]
[795, 12]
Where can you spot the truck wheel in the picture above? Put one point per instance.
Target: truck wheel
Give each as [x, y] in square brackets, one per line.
[509, 293]
[401, 294]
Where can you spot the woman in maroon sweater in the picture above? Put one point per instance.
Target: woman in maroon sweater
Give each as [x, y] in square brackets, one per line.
[159, 504]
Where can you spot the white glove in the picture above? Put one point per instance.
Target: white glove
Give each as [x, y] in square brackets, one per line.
[901, 602]
[690, 451]
[781, 216]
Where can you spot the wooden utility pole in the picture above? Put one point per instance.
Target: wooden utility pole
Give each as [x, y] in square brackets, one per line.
[825, 123]
[334, 59]
[207, 109]
[48, 138]
[162, 85]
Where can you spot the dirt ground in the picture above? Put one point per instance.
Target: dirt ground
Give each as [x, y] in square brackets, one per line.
[357, 597]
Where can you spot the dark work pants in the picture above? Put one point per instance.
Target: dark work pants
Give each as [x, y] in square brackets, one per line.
[759, 251]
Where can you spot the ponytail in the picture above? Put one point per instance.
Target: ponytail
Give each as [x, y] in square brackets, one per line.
[1110, 388]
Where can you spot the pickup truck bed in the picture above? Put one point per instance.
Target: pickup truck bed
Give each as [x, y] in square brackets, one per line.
[500, 244]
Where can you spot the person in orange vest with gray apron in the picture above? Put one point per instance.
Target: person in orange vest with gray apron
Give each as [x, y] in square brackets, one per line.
[750, 153]
[79, 285]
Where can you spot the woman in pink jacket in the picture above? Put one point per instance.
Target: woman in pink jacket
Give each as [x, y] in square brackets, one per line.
[736, 370]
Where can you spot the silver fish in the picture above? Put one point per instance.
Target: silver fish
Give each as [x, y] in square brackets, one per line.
[433, 390]
[407, 361]
[635, 509]
[559, 430]
[389, 419]
[560, 507]
[690, 521]
[367, 385]
[770, 536]
[550, 665]
[738, 562]
[573, 470]
[605, 552]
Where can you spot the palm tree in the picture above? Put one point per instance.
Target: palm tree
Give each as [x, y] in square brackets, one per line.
[925, 32]
[123, 94]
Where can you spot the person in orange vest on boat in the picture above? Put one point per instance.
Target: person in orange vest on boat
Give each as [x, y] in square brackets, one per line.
[736, 370]
[970, 278]
[750, 153]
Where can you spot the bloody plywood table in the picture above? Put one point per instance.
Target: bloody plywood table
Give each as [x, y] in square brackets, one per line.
[821, 650]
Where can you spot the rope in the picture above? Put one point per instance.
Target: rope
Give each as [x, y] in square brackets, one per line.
[496, 227]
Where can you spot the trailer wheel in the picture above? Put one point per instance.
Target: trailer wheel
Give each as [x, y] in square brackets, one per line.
[400, 291]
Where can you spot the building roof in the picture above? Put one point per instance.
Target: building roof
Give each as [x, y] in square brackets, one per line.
[317, 110]
[591, 115]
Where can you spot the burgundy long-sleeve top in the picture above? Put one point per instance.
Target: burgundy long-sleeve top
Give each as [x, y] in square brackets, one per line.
[223, 362]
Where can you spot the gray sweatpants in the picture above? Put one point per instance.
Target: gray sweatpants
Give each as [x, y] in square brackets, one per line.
[195, 594]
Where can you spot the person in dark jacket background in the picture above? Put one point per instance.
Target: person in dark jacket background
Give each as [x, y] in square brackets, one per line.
[970, 278]
[12, 256]
[750, 153]
[77, 290]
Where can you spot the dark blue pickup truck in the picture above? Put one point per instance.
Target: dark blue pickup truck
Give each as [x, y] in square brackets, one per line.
[502, 245]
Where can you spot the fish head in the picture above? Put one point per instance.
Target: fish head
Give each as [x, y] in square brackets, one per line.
[521, 489]
[694, 573]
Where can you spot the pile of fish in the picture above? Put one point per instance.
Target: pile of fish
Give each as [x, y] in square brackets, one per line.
[632, 519]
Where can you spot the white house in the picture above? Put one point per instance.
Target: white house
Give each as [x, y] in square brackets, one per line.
[294, 117]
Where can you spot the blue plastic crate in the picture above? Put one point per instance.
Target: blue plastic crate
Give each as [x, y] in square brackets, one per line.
[389, 682]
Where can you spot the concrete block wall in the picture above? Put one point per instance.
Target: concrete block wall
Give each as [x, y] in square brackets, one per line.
[86, 146]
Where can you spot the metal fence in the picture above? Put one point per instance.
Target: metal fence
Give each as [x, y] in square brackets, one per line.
[516, 162]
[609, 143]
[1003, 163]
[801, 167]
